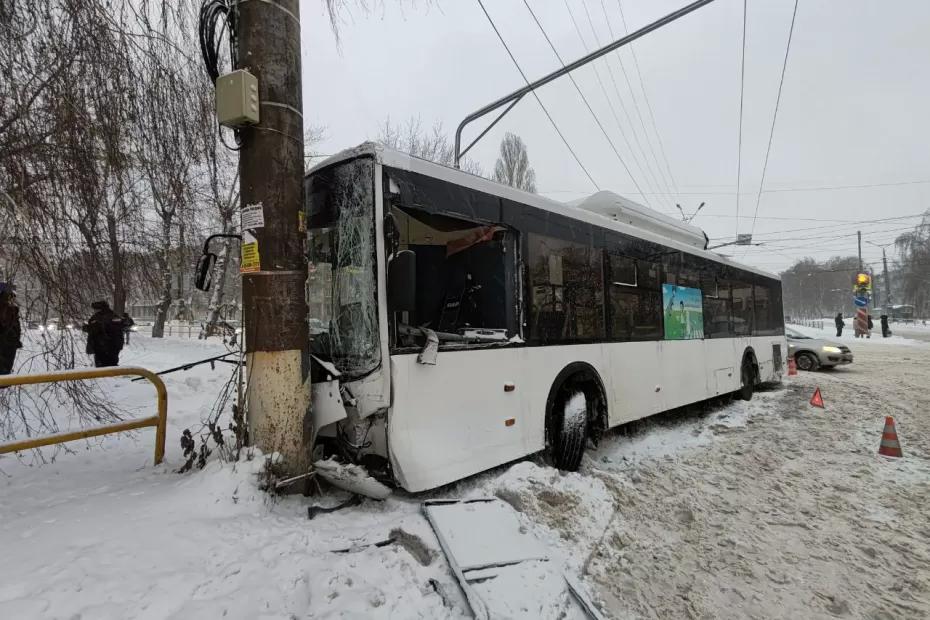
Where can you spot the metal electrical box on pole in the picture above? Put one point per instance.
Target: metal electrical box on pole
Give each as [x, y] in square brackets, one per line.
[273, 267]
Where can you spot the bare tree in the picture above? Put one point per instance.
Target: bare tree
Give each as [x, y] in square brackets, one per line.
[914, 266]
[431, 144]
[513, 166]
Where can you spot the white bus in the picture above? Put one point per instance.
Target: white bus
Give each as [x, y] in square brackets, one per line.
[453, 318]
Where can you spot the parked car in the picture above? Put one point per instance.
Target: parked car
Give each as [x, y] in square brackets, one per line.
[813, 353]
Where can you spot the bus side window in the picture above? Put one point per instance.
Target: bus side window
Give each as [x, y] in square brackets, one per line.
[634, 305]
[716, 309]
[567, 288]
[742, 309]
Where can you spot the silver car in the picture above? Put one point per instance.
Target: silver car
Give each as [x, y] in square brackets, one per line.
[813, 353]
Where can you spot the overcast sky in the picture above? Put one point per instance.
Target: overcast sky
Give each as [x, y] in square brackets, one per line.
[855, 105]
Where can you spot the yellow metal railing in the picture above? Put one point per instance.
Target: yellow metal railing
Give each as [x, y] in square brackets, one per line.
[159, 421]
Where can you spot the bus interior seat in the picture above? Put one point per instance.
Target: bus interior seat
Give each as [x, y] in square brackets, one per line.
[466, 289]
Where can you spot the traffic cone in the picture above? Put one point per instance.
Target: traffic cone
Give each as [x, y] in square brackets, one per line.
[890, 446]
[817, 399]
[792, 367]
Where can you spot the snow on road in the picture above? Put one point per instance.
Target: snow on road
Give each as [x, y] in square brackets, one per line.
[762, 509]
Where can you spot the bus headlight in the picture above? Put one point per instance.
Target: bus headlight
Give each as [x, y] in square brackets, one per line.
[832, 350]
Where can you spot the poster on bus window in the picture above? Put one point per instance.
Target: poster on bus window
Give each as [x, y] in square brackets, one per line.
[684, 312]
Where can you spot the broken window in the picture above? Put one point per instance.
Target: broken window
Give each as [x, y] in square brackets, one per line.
[342, 283]
[464, 279]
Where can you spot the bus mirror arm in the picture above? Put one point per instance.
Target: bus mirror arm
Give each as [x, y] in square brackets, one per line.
[203, 280]
[402, 282]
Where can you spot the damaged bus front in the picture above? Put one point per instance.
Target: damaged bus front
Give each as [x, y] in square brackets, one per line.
[350, 380]
[396, 274]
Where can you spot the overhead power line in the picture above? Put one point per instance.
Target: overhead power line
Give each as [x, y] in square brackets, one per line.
[836, 223]
[538, 100]
[586, 103]
[629, 119]
[781, 83]
[652, 117]
[776, 190]
[613, 110]
[739, 147]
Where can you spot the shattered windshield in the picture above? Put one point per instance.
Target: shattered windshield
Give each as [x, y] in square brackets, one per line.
[342, 283]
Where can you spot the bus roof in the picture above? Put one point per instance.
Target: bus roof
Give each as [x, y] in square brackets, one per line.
[604, 209]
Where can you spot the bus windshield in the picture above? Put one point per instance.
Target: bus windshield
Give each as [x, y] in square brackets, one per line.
[342, 282]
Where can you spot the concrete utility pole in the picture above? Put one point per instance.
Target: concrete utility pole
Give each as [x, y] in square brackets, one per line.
[271, 184]
[887, 305]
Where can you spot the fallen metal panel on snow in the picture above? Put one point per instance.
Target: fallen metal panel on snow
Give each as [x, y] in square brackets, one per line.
[484, 533]
[503, 569]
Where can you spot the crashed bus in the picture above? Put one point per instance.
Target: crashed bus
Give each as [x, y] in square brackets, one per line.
[458, 324]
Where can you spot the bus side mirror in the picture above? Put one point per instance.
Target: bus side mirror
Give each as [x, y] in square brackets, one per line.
[205, 271]
[402, 282]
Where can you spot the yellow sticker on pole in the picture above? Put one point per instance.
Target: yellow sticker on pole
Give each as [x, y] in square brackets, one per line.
[250, 260]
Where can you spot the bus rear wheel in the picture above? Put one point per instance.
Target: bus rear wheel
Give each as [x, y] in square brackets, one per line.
[569, 431]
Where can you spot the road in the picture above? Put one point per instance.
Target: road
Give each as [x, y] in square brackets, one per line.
[792, 515]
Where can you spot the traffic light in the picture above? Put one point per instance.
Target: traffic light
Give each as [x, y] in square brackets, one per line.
[863, 280]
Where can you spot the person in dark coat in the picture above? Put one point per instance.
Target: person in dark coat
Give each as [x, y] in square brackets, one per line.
[886, 331]
[839, 324]
[871, 325]
[127, 325]
[104, 335]
[10, 328]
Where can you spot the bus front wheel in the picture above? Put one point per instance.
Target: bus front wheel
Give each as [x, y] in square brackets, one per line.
[748, 380]
[569, 432]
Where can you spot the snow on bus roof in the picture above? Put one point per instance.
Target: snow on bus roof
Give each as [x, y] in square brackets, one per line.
[604, 208]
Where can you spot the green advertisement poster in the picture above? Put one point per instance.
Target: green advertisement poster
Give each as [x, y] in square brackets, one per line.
[684, 312]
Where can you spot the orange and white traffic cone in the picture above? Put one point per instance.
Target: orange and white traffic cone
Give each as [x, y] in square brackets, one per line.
[890, 446]
[792, 366]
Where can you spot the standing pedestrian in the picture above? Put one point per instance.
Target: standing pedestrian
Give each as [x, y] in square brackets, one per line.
[886, 331]
[868, 334]
[10, 328]
[104, 335]
[839, 324]
[127, 325]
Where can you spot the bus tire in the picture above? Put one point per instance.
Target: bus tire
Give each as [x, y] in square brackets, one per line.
[565, 443]
[570, 433]
[747, 379]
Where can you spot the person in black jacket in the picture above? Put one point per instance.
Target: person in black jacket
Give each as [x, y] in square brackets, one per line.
[839, 324]
[886, 331]
[104, 335]
[10, 328]
[127, 325]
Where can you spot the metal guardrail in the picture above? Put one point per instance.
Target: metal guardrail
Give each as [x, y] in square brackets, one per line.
[159, 421]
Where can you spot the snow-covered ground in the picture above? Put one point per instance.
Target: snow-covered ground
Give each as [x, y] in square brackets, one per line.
[762, 509]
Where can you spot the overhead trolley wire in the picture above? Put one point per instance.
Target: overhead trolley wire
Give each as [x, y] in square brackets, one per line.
[642, 85]
[626, 113]
[600, 82]
[538, 100]
[629, 85]
[836, 223]
[739, 147]
[588, 105]
[768, 149]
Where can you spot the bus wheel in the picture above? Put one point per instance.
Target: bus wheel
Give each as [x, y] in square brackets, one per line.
[570, 431]
[748, 378]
